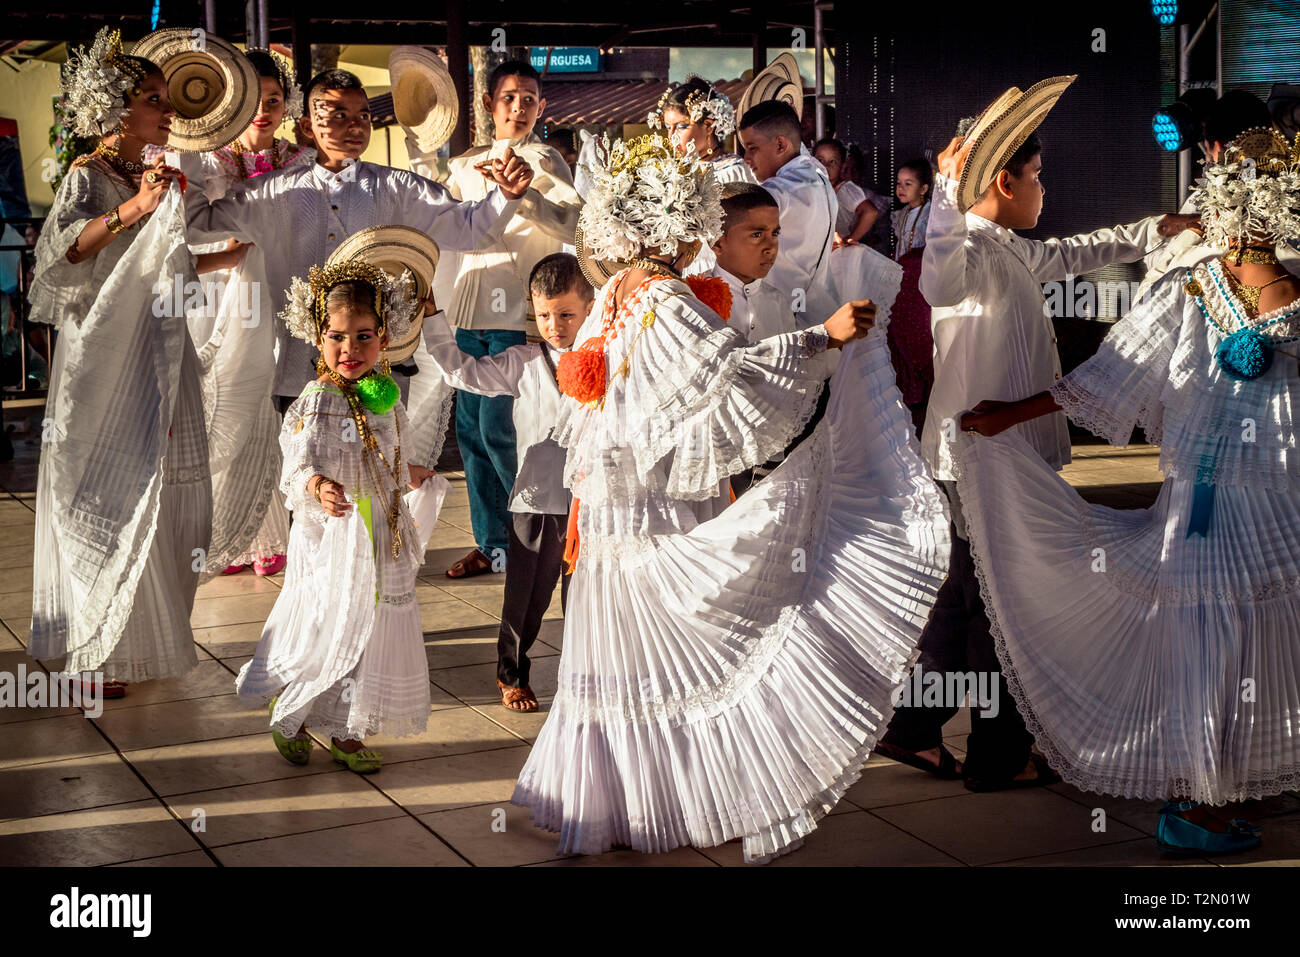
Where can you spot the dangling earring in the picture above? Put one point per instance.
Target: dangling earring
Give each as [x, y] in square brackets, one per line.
[321, 367]
[384, 367]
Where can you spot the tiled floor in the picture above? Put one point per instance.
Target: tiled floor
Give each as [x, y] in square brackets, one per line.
[179, 773]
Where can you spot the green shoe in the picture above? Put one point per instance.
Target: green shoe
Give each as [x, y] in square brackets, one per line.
[295, 750]
[364, 761]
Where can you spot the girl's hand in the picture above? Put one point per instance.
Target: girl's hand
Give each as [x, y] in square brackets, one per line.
[418, 475]
[988, 418]
[853, 320]
[430, 307]
[154, 184]
[331, 495]
[953, 159]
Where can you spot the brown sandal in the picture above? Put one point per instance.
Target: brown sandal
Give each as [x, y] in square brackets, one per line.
[475, 563]
[524, 695]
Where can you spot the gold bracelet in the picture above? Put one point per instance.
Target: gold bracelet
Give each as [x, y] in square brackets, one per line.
[114, 221]
[316, 490]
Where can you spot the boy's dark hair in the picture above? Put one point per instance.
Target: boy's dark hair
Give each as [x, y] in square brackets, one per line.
[556, 274]
[513, 68]
[834, 144]
[331, 80]
[773, 118]
[739, 198]
[1234, 113]
[923, 170]
[1027, 150]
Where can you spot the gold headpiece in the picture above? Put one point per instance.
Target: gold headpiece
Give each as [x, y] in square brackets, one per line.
[395, 300]
[1266, 148]
[124, 64]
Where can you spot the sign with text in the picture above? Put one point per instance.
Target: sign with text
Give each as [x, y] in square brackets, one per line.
[566, 59]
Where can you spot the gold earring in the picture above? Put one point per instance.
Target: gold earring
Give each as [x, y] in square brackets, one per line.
[321, 367]
[385, 368]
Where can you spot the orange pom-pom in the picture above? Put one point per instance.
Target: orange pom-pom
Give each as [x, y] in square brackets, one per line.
[713, 292]
[580, 373]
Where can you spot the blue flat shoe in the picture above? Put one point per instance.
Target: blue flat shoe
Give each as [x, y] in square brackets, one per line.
[1180, 836]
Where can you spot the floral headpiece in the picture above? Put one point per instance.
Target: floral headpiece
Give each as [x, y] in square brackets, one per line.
[395, 303]
[646, 195]
[699, 104]
[289, 82]
[95, 83]
[1254, 193]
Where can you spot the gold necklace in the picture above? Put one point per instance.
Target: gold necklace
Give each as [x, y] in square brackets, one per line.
[371, 445]
[1256, 255]
[654, 266]
[1248, 294]
[113, 157]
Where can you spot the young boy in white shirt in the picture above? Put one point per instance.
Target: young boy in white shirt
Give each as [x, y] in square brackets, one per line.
[539, 502]
[993, 337]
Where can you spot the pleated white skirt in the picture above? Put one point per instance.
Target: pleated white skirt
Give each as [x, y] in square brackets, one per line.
[731, 680]
[1147, 664]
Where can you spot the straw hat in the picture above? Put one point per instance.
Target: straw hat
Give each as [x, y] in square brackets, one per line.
[1001, 130]
[214, 89]
[597, 271]
[392, 249]
[424, 98]
[779, 80]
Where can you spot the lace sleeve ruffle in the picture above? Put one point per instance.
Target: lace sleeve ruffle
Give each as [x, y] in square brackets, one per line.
[61, 289]
[697, 398]
[312, 444]
[1120, 387]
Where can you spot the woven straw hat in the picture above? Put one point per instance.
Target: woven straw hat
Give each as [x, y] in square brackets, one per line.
[392, 249]
[1001, 130]
[424, 98]
[213, 87]
[779, 80]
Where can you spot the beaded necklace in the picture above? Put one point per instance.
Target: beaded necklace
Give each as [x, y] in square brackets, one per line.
[374, 456]
[238, 150]
[1245, 353]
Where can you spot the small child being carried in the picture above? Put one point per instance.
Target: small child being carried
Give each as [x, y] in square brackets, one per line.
[539, 502]
[342, 650]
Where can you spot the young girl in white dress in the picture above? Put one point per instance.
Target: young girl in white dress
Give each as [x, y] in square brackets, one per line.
[725, 670]
[342, 651]
[250, 525]
[1154, 653]
[123, 499]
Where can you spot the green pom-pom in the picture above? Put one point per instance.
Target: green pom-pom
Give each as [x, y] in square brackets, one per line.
[378, 392]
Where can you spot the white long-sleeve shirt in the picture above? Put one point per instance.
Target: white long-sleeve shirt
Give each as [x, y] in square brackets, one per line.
[488, 288]
[993, 338]
[522, 372]
[808, 206]
[298, 217]
[757, 310]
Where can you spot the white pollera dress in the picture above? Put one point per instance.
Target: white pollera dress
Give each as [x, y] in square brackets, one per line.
[342, 648]
[123, 496]
[727, 670]
[1149, 663]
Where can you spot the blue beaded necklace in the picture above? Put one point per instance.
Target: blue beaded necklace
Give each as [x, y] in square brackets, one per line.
[1246, 353]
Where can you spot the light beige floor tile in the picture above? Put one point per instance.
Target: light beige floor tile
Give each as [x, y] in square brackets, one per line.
[399, 842]
[178, 722]
[16, 556]
[221, 763]
[450, 731]
[205, 680]
[477, 646]
[494, 835]
[16, 605]
[526, 725]
[49, 739]
[246, 582]
[254, 812]
[477, 684]
[230, 641]
[846, 840]
[17, 581]
[12, 535]
[437, 618]
[34, 789]
[439, 784]
[1003, 825]
[105, 835]
[20, 626]
[232, 610]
